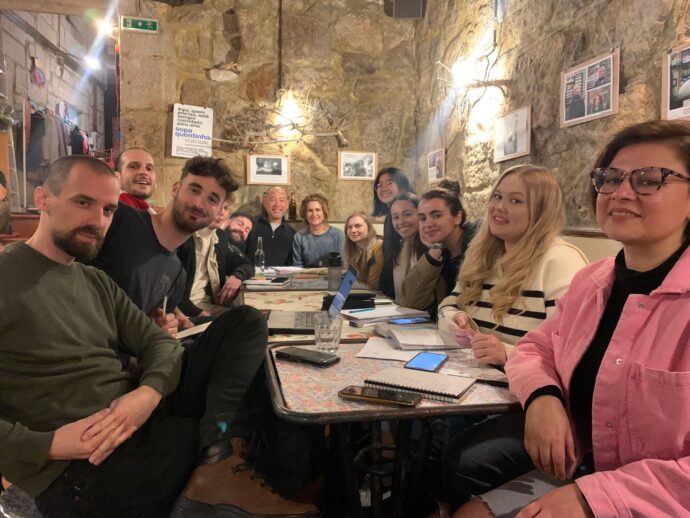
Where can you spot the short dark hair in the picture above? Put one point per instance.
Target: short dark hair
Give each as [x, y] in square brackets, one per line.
[320, 199]
[118, 159]
[59, 170]
[400, 179]
[449, 197]
[210, 167]
[240, 214]
[674, 134]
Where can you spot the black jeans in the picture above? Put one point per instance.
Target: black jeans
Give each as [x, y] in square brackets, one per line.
[485, 456]
[221, 393]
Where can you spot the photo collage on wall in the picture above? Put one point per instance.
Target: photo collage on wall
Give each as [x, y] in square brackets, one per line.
[675, 88]
[590, 90]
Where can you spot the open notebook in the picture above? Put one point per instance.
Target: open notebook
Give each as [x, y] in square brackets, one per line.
[432, 385]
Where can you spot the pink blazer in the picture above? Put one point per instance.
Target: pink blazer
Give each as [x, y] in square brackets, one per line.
[641, 404]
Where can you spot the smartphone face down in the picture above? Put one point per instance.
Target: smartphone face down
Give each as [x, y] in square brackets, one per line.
[430, 362]
[307, 356]
[377, 395]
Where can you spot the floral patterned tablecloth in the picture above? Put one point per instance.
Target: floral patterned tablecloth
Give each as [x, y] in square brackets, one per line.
[311, 392]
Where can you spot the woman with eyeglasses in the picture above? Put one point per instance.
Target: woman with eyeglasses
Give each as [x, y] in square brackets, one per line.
[388, 184]
[606, 381]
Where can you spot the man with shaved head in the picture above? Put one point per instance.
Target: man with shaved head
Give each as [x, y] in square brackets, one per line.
[275, 232]
[85, 436]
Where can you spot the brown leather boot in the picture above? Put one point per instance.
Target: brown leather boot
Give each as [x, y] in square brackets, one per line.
[231, 489]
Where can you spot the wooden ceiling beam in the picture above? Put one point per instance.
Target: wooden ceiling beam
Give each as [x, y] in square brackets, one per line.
[68, 7]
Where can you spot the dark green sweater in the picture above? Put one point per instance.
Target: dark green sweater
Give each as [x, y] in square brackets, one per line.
[61, 331]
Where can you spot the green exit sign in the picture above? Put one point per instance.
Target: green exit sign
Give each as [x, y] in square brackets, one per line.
[138, 24]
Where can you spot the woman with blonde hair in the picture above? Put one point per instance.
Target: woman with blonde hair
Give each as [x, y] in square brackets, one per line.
[514, 270]
[604, 383]
[363, 249]
[312, 246]
[515, 267]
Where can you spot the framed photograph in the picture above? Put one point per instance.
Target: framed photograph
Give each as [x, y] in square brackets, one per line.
[513, 132]
[436, 165]
[675, 83]
[268, 170]
[357, 165]
[590, 90]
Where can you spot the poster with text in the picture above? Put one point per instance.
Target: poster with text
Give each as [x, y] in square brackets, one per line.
[192, 131]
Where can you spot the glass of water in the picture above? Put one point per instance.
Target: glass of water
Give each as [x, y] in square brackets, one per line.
[327, 332]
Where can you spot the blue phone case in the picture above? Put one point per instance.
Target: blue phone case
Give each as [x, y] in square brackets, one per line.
[429, 362]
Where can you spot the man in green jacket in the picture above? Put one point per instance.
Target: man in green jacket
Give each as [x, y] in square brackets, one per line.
[78, 432]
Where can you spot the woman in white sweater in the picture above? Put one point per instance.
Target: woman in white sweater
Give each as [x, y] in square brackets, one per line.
[515, 267]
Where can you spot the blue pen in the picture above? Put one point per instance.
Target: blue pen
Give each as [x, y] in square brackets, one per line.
[360, 310]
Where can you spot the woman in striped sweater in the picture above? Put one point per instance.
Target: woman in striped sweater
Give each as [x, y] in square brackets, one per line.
[514, 270]
[515, 267]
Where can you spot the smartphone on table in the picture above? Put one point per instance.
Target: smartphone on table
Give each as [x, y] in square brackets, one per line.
[425, 361]
[297, 354]
[380, 396]
[277, 280]
[410, 320]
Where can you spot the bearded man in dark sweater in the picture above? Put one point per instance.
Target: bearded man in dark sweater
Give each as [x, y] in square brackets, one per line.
[79, 433]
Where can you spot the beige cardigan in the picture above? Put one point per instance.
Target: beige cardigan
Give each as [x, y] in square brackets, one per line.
[538, 301]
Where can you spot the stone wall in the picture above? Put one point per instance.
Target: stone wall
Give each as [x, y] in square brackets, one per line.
[537, 41]
[224, 54]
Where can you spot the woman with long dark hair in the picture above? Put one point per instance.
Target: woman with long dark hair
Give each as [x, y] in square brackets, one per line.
[443, 228]
[388, 184]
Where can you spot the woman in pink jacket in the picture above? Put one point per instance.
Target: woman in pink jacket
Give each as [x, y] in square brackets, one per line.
[605, 382]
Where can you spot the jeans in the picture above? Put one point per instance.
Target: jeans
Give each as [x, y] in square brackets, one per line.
[221, 394]
[485, 456]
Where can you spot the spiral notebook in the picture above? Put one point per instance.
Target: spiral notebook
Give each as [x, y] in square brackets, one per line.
[432, 385]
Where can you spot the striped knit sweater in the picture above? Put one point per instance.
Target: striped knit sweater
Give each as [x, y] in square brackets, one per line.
[551, 279]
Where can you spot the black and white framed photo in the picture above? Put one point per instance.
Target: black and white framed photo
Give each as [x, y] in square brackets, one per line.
[357, 165]
[268, 170]
[436, 165]
[675, 83]
[589, 90]
[513, 134]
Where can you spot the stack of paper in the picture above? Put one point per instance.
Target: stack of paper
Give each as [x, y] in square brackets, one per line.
[420, 339]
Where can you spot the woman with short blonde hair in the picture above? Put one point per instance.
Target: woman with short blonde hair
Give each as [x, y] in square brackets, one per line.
[312, 246]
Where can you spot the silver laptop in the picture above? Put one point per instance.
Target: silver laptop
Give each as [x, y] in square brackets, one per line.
[302, 322]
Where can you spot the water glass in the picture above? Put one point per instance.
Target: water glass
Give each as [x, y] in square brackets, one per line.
[327, 332]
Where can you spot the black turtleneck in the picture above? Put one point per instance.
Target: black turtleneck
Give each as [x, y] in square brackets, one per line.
[626, 282]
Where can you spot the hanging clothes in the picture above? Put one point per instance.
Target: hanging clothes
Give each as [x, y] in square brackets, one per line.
[51, 140]
[35, 150]
[77, 141]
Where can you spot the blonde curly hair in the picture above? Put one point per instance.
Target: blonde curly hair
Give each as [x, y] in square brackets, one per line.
[486, 255]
